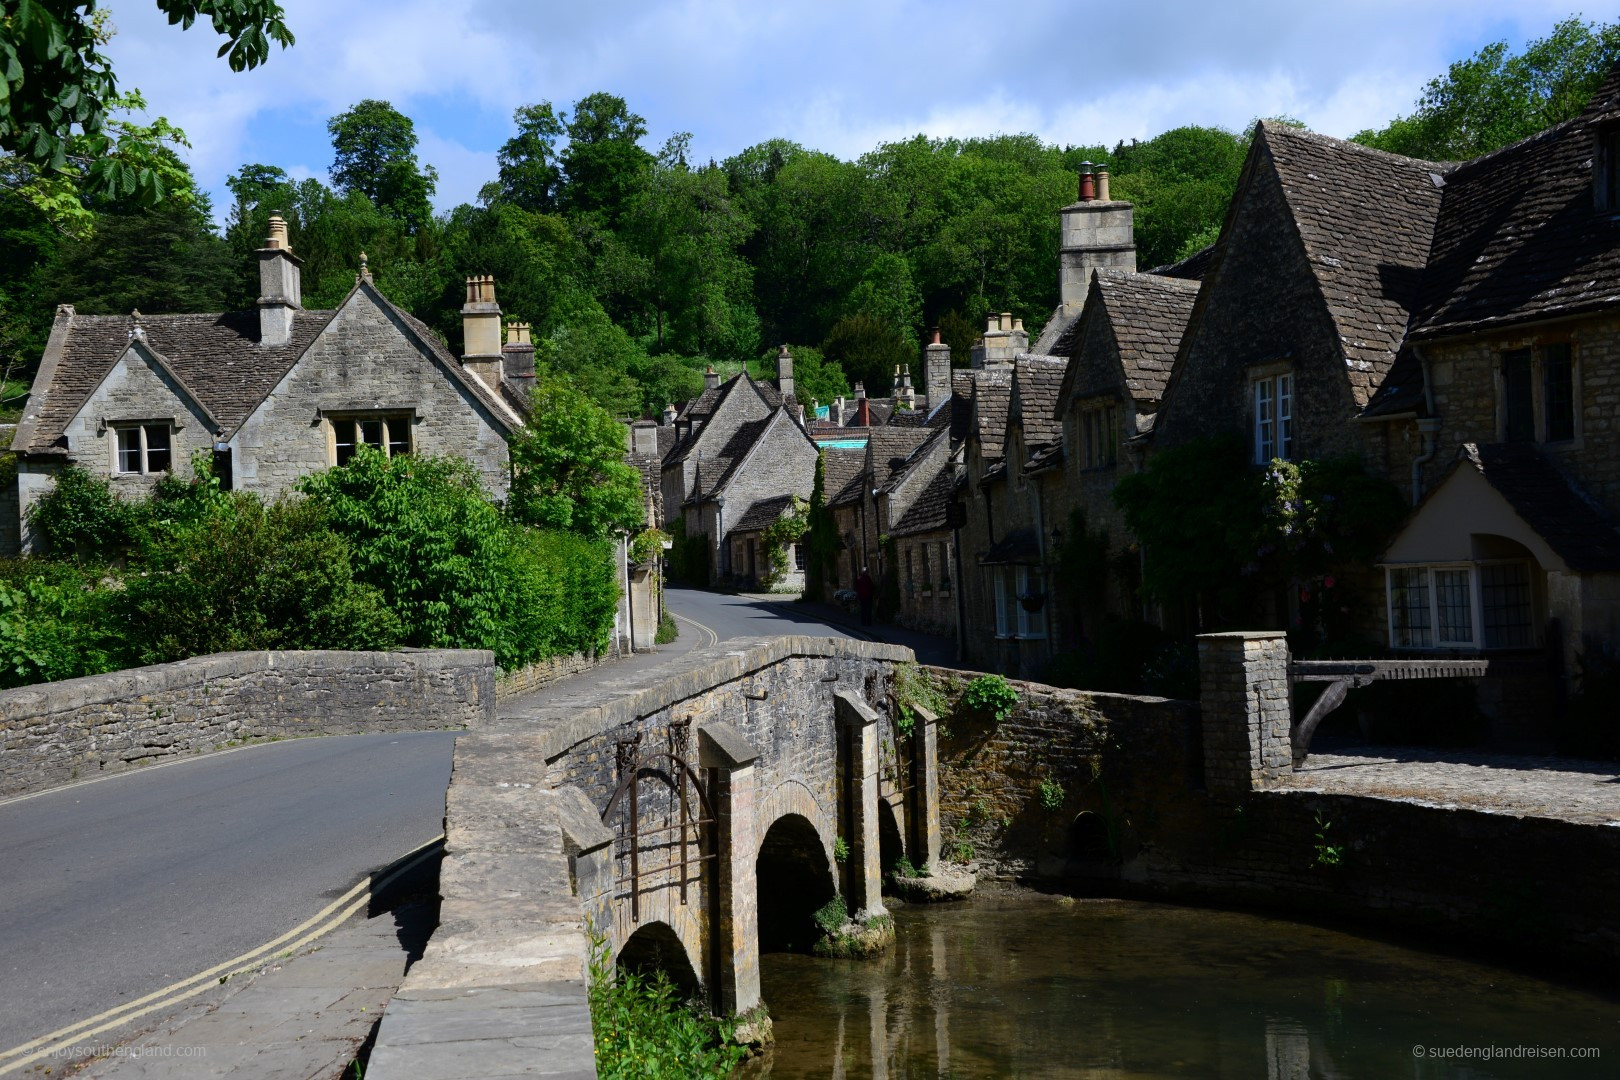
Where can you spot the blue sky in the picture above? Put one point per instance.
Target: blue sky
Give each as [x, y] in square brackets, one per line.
[839, 77]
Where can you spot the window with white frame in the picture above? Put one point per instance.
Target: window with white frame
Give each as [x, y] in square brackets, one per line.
[144, 448]
[1273, 400]
[1013, 585]
[1488, 605]
[389, 433]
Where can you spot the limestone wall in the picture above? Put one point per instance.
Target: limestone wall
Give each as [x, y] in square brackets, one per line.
[55, 733]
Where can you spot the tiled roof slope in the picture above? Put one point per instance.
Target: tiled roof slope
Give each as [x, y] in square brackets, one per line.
[927, 512]
[1149, 315]
[217, 356]
[1539, 494]
[1518, 236]
[763, 513]
[916, 458]
[647, 465]
[1366, 219]
[842, 473]
[992, 391]
[1192, 268]
[1038, 380]
[891, 447]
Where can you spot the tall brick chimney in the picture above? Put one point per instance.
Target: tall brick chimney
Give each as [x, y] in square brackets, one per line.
[281, 286]
[936, 370]
[481, 331]
[784, 374]
[1097, 233]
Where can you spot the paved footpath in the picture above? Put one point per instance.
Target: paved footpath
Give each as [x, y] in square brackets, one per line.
[1587, 792]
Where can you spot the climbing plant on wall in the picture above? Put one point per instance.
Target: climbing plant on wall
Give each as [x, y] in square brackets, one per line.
[779, 537]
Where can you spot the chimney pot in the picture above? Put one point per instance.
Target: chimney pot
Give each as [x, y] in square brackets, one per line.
[1006, 320]
[1018, 326]
[992, 325]
[1088, 189]
[860, 391]
[1102, 185]
[935, 336]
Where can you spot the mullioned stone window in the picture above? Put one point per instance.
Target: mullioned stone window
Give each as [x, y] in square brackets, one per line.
[1537, 394]
[144, 448]
[1487, 604]
[389, 433]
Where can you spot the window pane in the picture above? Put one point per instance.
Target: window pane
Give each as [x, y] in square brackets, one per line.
[157, 448]
[1454, 607]
[1264, 438]
[1001, 587]
[1504, 593]
[371, 433]
[129, 450]
[1285, 416]
[1518, 410]
[1409, 609]
[1558, 392]
[399, 435]
[343, 433]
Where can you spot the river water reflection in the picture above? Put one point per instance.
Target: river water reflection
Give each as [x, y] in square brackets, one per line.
[1028, 986]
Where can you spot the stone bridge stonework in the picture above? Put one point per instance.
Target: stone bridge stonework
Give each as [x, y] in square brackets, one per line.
[781, 748]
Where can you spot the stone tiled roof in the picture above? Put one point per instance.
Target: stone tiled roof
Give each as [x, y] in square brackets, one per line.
[216, 357]
[843, 475]
[1518, 237]
[1581, 535]
[927, 512]
[702, 407]
[1192, 268]
[1148, 315]
[915, 459]
[496, 404]
[1366, 219]
[891, 447]
[1037, 381]
[648, 466]
[1401, 392]
[992, 391]
[763, 513]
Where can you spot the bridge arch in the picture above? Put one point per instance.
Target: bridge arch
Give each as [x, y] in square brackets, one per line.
[655, 947]
[793, 878]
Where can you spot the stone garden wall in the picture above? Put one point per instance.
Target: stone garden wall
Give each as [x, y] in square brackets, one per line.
[54, 733]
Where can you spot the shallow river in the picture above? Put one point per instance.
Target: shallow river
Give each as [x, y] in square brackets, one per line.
[1033, 986]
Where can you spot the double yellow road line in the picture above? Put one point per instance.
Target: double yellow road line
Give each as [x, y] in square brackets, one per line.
[710, 637]
[322, 922]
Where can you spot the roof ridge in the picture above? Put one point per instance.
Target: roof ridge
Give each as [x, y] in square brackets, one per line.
[1272, 128]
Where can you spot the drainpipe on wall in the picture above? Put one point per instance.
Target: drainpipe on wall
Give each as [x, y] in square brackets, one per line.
[1428, 427]
[629, 599]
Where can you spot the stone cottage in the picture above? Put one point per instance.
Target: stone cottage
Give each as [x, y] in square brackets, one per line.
[270, 395]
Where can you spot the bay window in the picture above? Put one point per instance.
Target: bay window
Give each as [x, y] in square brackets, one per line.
[1480, 605]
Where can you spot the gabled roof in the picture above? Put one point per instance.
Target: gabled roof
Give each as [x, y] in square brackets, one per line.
[1034, 396]
[700, 409]
[1148, 315]
[1366, 219]
[927, 512]
[216, 358]
[890, 448]
[916, 458]
[1581, 535]
[1519, 238]
[763, 514]
[992, 391]
[843, 475]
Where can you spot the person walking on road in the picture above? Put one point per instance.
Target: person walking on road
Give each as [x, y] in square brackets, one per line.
[865, 592]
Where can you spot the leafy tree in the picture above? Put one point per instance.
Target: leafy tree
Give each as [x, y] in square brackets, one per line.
[867, 350]
[54, 78]
[603, 161]
[375, 154]
[1181, 183]
[568, 468]
[821, 542]
[531, 172]
[160, 259]
[1497, 97]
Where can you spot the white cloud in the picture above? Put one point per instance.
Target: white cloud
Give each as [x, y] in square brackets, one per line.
[838, 76]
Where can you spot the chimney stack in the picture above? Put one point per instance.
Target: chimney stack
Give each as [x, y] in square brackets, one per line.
[784, 374]
[1004, 338]
[906, 394]
[481, 332]
[711, 379]
[1097, 234]
[937, 370]
[669, 416]
[517, 359]
[281, 289]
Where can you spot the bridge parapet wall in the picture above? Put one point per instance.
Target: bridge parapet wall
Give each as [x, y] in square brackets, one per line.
[55, 733]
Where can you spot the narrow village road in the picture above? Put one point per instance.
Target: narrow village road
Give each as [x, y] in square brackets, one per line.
[118, 888]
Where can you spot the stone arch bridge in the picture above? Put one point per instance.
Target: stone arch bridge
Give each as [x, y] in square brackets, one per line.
[708, 812]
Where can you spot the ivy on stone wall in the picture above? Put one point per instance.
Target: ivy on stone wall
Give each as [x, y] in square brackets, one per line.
[778, 537]
[1221, 532]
